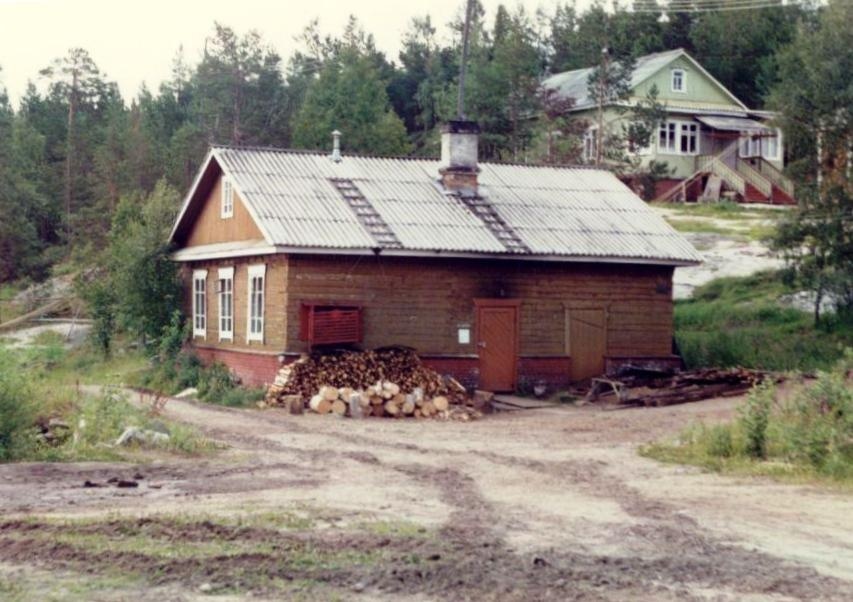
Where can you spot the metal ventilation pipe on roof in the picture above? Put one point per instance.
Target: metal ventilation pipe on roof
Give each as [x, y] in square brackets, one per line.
[336, 147]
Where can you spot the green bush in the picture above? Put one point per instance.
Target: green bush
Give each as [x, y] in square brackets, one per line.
[754, 419]
[215, 381]
[17, 414]
[809, 434]
[821, 421]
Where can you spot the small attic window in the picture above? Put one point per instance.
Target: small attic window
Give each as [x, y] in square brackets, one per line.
[679, 80]
[227, 203]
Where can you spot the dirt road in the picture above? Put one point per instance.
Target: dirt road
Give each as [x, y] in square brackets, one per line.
[549, 504]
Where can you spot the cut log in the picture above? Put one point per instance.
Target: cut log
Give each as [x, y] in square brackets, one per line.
[408, 407]
[339, 407]
[320, 404]
[329, 393]
[391, 408]
[440, 403]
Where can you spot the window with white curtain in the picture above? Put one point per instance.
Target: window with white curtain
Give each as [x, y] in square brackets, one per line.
[255, 327]
[200, 303]
[225, 286]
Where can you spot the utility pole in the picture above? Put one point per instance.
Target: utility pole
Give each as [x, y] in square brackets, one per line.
[602, 87]
[466, 32]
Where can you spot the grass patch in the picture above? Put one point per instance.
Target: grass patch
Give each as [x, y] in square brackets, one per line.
[740, 322]
[721, 210]
[703, 227]
[807, 437]
[37, 385]
[189, 551]
[49, 338]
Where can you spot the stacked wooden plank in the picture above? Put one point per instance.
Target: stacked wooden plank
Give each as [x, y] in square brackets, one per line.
[653, 390]
[390, 382]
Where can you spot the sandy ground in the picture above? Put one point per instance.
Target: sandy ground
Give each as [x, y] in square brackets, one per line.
[723, 255]
[74, 333]
[541, 504]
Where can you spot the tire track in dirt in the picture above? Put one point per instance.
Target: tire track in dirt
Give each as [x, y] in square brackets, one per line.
[686, 553]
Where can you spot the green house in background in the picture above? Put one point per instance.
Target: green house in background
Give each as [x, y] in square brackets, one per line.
[715, 144]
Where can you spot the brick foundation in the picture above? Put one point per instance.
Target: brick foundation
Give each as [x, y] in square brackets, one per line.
[253, 369]
[553, 372]
[258, 369]
[464, 369]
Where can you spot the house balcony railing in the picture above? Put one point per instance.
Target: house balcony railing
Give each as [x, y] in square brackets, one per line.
[755, 178]
[772, 173]
[721, 165]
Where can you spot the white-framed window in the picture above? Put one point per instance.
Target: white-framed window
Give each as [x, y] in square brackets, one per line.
[227, 201]
[225, 290]
[689, 138]
[200, 303]
[679, 80]
[590, 144]
[255, 326]
[749, 145]
[771, 146]
[678, 138]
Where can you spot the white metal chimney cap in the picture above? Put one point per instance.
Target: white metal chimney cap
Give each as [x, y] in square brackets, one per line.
[336, 147]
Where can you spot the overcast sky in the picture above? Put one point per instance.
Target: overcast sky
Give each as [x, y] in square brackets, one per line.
[135, 42]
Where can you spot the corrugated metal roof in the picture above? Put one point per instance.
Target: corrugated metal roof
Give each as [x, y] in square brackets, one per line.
[575, 84]
[555, 211]
[734, 124]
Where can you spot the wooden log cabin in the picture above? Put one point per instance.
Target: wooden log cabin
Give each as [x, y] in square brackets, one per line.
[502, 275]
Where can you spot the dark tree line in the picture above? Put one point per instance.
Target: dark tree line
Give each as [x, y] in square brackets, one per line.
[75, 148]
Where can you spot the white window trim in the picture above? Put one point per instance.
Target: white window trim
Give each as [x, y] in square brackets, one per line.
[683, 73]
[199, 331]
[226, 202]
[678, 123]
[749, 147]
[778, 154]
[256, 271]
[226, 274]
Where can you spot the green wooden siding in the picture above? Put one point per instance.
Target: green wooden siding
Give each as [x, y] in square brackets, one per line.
[700, 88]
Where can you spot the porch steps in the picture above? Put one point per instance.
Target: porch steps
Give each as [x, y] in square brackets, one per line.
[712, 188]
[753, 195]
[781, 197]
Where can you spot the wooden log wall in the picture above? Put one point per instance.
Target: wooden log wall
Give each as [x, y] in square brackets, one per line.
[421, 302]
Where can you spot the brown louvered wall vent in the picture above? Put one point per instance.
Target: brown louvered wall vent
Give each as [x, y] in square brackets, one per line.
[330, 324]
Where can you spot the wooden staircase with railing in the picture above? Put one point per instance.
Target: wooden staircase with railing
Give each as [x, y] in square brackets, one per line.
[760, 182]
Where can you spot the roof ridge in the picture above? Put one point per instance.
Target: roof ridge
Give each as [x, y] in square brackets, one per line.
[678, 50]
[308, 151]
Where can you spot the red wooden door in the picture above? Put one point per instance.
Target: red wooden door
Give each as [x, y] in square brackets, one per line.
[497, 345]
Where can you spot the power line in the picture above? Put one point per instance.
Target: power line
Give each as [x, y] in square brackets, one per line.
[706, 6]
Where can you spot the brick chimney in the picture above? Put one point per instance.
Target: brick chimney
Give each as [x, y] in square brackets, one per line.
[458, 166]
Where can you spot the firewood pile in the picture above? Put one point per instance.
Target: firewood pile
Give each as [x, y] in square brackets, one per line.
[389, 382]
[646, 388]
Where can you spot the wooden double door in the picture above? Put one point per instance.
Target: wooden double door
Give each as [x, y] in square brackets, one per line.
[586, 341]
[497, 343]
